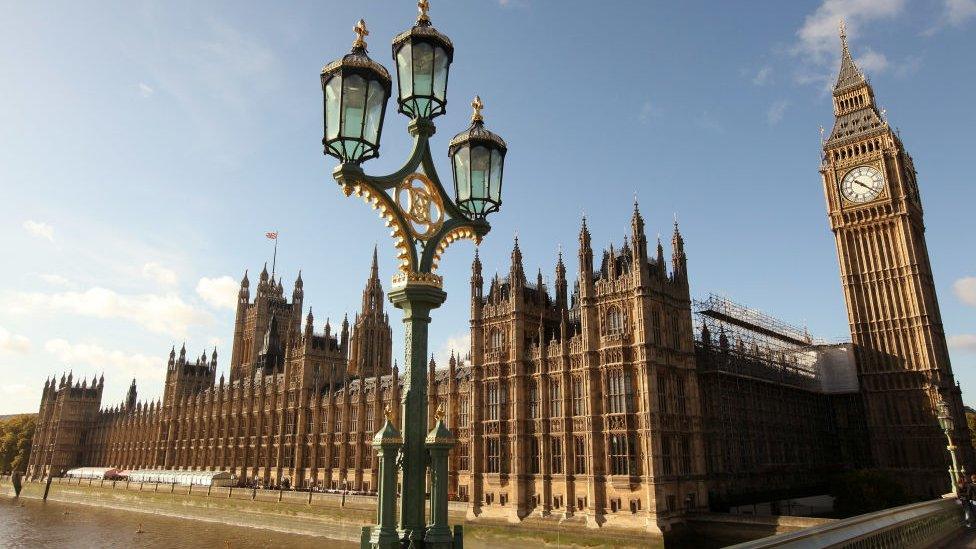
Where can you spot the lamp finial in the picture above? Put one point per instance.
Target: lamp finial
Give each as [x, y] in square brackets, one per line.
[477, 105]
[423, 6]
[361, 32]
[388, 413]
[439, 414]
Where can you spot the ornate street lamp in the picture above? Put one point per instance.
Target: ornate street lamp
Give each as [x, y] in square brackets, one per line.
[423, 220]
[423, 57]
[356, 90]
[948, 425]
[478, 156]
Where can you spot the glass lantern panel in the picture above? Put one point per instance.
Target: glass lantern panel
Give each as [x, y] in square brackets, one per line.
[332, 108]
[404, 70]
[374, 110]
[423, 68]
[480, 164]
[461, 174]
[440, 74]
[495, 183]
[353, 106]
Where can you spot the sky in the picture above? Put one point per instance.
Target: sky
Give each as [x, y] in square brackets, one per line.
[147, 147]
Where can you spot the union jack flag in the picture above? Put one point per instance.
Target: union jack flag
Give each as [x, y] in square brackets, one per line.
[272, 236]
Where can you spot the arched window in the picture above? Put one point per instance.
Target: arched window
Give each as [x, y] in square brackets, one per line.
[615, 321]
[533, 398]
[496, 340]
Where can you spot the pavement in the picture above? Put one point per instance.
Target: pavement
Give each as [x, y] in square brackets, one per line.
[966, 539]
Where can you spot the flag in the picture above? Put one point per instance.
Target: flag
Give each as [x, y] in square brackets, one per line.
[272, 236]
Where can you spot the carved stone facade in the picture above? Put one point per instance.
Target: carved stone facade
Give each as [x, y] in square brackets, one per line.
[298, 405]
[585, 405]
[596, 405]
[875, 212]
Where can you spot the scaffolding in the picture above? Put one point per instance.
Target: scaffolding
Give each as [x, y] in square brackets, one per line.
[767, 424]
[759, 345]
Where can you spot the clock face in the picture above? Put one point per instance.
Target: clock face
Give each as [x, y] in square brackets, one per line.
[862, 184]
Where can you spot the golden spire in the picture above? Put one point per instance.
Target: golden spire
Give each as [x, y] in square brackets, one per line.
[361, 32]
[842, 27]
[477, 105]
[439, 414]
[388, 413]
[423, 6]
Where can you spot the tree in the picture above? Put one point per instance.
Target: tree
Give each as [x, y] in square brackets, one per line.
[16, 434]
[866, 490]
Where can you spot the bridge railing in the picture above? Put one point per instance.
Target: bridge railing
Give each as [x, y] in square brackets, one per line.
[922, 524]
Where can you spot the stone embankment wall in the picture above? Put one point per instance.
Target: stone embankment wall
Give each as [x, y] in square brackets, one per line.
[332, 516]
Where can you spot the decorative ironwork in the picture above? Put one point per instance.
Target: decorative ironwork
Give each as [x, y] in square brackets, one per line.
[421, 205]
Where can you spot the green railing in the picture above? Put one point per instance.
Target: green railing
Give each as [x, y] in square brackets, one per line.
[912, 526]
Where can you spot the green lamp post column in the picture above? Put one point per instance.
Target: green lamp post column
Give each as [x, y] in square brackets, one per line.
[439, 443]
[387, 443]
[413, 203]
[947, 424]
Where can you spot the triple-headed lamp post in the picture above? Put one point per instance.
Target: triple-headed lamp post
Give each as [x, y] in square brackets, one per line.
[424, 221]
[948, 425]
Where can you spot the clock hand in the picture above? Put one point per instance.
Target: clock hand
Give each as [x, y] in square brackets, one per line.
[863, 185]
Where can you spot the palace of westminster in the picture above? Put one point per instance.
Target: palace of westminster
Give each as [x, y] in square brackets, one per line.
[617, 400]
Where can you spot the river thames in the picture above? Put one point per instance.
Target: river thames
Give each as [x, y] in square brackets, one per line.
[33, 523]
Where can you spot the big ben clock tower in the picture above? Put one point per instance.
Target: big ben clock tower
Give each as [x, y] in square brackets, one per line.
[876, 215]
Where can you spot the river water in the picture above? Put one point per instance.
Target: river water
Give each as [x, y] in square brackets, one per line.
[33, 523]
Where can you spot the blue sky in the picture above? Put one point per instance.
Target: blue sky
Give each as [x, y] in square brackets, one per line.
[145, 149]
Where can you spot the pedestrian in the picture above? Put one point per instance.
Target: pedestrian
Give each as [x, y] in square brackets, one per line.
[965, 492]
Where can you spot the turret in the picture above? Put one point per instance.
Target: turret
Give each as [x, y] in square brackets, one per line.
[130, 398]
[561, 286]
[213, 360]
[585, 261]
[638, 236]
[263, 282]
[344, 336]
[244, 295]
[679, 263]
[477, 286]
[516, 273]
[309, 324]
[182, 359]
[299, 292]
[662, 269]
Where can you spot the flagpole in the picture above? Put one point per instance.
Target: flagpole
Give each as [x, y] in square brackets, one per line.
[274, 258]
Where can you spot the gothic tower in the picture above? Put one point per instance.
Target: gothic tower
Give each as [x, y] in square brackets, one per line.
[876, 216]
[254, 321]
[370, 351]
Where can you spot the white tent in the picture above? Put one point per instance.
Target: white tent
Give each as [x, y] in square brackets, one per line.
[92, 472]
[182, 478]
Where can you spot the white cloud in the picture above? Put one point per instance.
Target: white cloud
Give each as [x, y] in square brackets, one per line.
[965, 289]
[39, 229]
[17, 389]
[762, 77]
[775, 112]
[145, 89]
[459, 343]
[959, 11]
[818, 37]
[219, 292]
[124, 365]
[872, 62]
[56, 280]
[167, 314]
[963, 342]
[162, 275]
[13, 343]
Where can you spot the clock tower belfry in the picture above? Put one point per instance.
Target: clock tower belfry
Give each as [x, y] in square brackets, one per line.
[875, 214]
